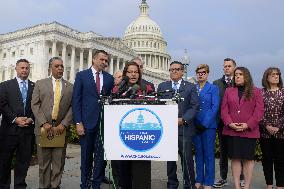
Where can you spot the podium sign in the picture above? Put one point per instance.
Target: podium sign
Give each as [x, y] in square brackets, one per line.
[141, 132]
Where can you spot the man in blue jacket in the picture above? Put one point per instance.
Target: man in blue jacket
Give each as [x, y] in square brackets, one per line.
[187, 110]
[87, 110]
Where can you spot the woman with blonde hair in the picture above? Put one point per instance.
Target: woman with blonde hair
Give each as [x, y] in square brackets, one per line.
[205, 123]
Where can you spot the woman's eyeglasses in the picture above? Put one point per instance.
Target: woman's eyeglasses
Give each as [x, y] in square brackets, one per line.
[132, 72]
[201, 73]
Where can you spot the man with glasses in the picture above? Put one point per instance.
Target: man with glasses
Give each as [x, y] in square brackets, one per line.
[224, 82]
[187, 110]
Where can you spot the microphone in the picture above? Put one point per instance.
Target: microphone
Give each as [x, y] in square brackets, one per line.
[122, 85]
[159, 93]
[127, 91]
[135, 88]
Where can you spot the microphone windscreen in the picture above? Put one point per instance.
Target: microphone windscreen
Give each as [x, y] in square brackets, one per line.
[135, 87]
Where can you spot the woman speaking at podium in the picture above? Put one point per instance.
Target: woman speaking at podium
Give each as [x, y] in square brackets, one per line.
[132, 174]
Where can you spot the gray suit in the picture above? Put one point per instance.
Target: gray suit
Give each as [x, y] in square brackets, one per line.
[42, 106]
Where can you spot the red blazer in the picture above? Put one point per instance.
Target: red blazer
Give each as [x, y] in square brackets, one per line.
[244, 111]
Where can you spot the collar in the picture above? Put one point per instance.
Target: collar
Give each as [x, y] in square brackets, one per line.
[95, 71]
[179, 81]
[53, 79]
[19, 80]
[226, 77]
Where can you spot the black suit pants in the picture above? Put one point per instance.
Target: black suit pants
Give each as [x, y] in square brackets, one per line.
[22, 145]
[187, 163]
[134, 174]
[273, 157]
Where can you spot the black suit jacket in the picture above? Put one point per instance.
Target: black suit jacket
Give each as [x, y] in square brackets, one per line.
[188, 107]
[222, 85]
[12, 106]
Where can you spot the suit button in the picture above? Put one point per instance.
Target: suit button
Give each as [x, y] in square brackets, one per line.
[202, 102]
[200, 109]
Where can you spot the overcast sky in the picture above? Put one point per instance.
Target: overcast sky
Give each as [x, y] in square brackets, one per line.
[250, 31]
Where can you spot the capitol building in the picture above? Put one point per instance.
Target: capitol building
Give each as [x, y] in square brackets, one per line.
[143, 38]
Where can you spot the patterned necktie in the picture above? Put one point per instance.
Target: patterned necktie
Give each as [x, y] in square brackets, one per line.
[98, 82]
[24, 92]
[175, 87]
[56, 99]
[229, 82]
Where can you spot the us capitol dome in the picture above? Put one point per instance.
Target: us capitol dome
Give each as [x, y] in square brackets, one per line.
[144, 36]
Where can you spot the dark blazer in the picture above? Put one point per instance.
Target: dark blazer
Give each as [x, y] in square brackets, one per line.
[209, 106]
[244, 111]
[222, 85]
[85, 101]
[187, 108]
[12, 106]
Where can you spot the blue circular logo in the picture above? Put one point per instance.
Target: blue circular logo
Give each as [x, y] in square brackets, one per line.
[140, 129]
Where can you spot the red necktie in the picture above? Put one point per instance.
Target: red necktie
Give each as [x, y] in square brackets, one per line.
[98, 82]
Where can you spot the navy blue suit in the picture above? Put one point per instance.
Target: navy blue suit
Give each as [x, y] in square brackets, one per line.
[205, 141]
[87, 110]
[187, 110]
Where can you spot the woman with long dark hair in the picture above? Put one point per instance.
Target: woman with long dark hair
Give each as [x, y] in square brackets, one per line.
[241, 111]
[133, 174]
[272, 127]
[134, 85]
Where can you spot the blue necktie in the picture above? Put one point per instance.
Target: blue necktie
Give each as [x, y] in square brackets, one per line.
[24, 92]
[175, 87]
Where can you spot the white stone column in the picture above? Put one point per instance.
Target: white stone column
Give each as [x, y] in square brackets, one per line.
[111, 65]
[53, 48]
[27, 51]
[123, 63]
[81, 59]
[161, 62]
[90, 57]
[43, 59]
[17, 54]
[7, 73]
[157, 61]
[64, 60]
[168, 64]
[72, 68]
[150, 60]
[117, 63]
[146, 60]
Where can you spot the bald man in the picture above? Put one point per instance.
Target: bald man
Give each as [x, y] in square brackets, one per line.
[117, 77]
